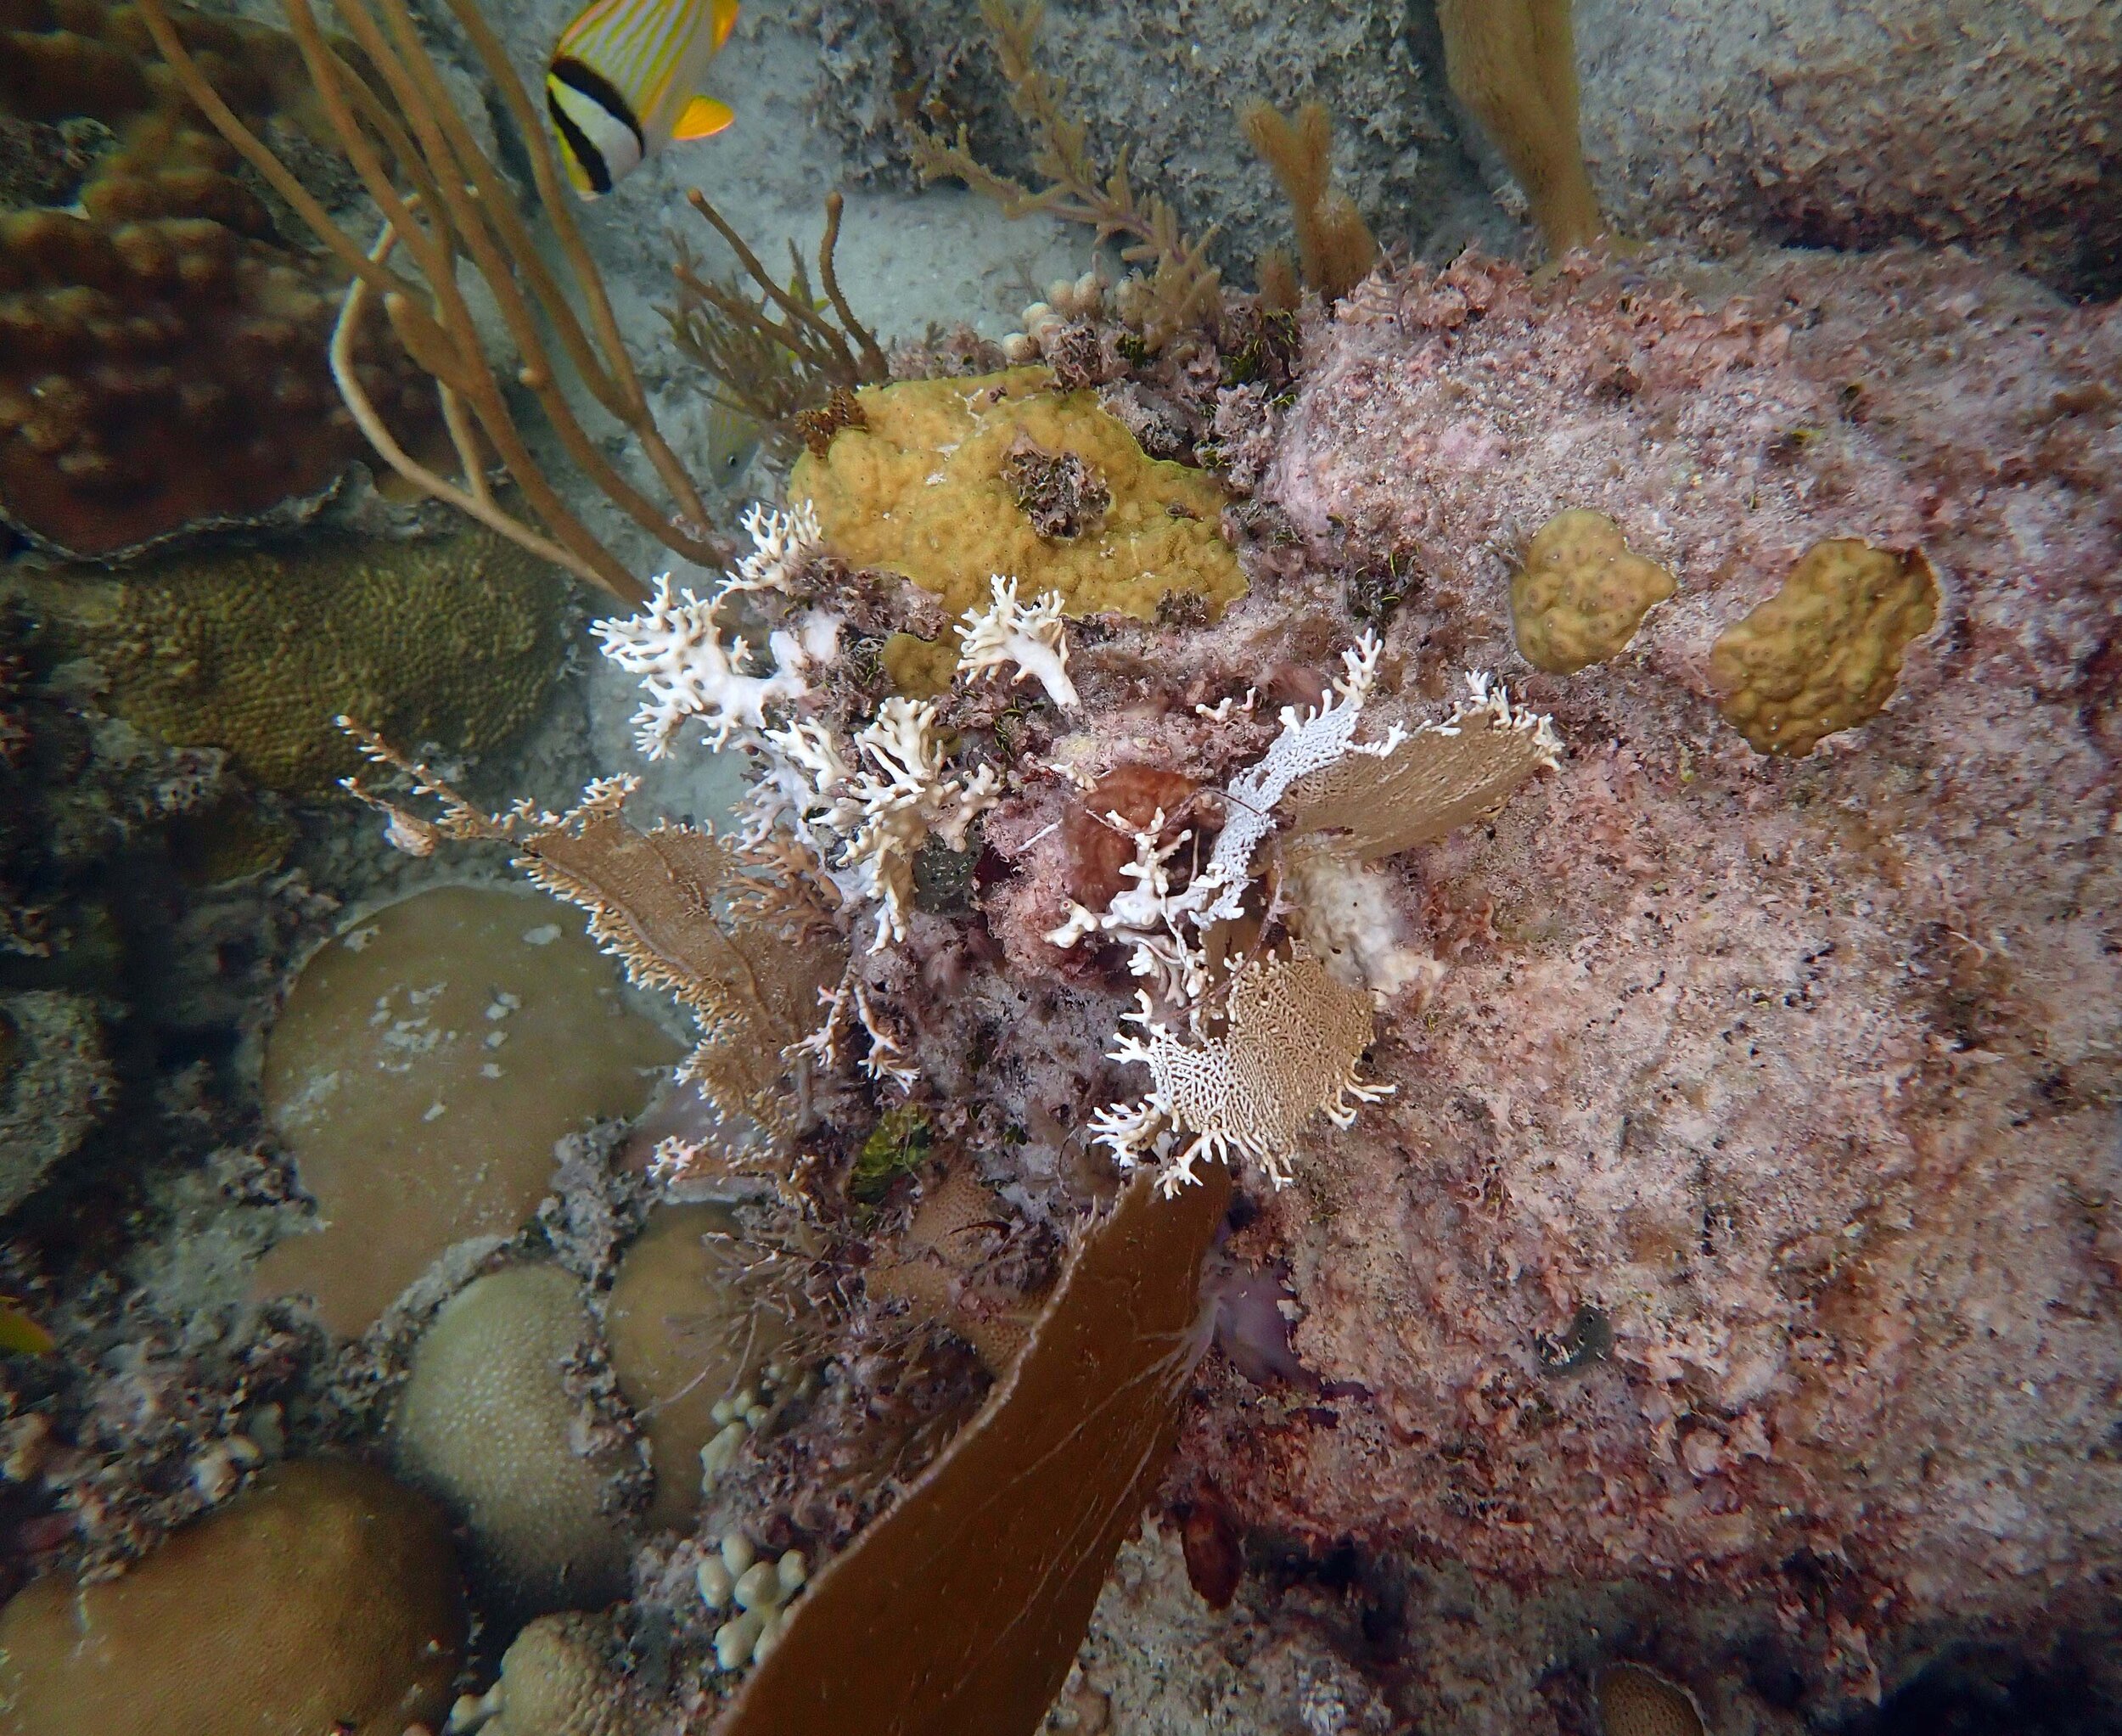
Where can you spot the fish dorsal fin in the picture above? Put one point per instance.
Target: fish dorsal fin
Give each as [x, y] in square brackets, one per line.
[725, 20]
[703, 118]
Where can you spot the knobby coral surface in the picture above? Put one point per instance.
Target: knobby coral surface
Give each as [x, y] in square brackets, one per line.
[162, 338]
[1744, 1209]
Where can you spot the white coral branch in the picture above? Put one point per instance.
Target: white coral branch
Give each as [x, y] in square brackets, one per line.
[781, 542]
[1032, 637]
[688, 671]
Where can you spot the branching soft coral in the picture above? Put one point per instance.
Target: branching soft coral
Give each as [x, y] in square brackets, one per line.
[1514, 63]
[1183, 288]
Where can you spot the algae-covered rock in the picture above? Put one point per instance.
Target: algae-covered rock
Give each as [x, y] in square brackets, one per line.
[322, 1599]
[453, 641]
[486, 1422]
[55, 1080]
[926, 489]
[1823, 654]
[422, 1067]
[1581, 593]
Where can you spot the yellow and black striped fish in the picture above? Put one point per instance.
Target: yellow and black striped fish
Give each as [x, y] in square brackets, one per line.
[624, 82]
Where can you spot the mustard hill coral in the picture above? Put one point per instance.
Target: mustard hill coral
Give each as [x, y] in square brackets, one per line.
[420, 1073]
[1823, 654]
[162, 349]
[323, 1598]
[1581, 593]
[921, 490]
[454, 642]
[486, 1422]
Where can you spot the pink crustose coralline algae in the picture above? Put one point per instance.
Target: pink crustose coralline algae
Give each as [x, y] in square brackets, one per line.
[1749, 1206]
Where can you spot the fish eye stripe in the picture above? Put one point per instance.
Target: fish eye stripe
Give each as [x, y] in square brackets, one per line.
[577, 142]
[599, 90]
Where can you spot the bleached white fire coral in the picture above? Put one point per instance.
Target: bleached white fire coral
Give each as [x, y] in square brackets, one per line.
[1033, 638]
[897, 799]
[676, 646]
[1270, 1040]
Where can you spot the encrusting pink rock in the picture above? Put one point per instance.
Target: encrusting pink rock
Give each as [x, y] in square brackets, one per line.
[1748, 1209]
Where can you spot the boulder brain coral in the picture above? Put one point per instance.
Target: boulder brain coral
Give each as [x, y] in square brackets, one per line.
[925, 488]
[422, 1067]
[486, 1421]
[454, 641]
[323, 1598]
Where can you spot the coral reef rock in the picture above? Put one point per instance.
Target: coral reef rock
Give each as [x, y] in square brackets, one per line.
[1746, 1207]
[454, 642]
[55, 1080]
[1854, 122]
[323, 1598]
[487, 1422]
[425, 1065]
[924, 488]
[162, 349]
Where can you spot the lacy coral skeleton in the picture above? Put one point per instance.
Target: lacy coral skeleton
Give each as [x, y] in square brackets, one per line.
[1290, 1047]
[1270, 1040]
[686, 670]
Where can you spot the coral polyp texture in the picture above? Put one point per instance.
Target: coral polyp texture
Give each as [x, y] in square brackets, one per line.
[1822, 655]
[454, 641]
[1581, 593]
[923, 487]
[1682, 1245]
[162, 347]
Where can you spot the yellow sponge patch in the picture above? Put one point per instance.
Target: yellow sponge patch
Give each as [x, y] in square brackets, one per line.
[922, 491]
[1824, 653]
[1581, 593]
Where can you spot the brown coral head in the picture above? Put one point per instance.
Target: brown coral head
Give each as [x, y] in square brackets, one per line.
[1097, 850]
[1637, 1701]
[1062, 493]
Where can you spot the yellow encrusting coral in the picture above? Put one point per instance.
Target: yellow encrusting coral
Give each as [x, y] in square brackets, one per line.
[454, 642]
[1824, 653]
[921, 490]
[1581, 593]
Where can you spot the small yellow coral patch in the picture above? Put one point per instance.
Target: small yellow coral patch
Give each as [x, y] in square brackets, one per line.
[921, 490]
[1824, 653]
[1581, 593]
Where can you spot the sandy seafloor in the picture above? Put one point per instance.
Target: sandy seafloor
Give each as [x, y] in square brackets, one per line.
[1157, 1660]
